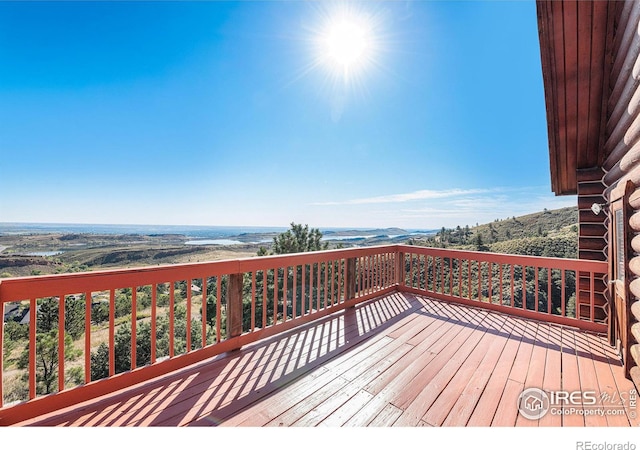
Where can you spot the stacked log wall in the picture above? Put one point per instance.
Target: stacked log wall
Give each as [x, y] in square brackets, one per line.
[622, 154]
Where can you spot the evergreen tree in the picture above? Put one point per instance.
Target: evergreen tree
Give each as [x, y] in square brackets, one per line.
[298, 239]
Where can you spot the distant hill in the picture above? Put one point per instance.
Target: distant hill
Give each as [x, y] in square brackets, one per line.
[546, 233]
[373, 232]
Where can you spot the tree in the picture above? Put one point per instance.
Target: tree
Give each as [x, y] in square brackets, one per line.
[298, 239]
[100, 313]
[47, 340]
[47, 359]
[122, 351]
[480, 243]
[73, 315]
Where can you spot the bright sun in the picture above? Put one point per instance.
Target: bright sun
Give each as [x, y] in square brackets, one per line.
[346, 44]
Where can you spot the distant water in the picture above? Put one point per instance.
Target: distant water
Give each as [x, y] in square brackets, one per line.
[196, 235]
[199, 232]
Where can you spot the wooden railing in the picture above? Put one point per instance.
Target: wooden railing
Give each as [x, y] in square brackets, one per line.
[132, 325]
[541, 288]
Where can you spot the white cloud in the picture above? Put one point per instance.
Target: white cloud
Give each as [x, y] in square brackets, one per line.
[424, 194]
[431, 209]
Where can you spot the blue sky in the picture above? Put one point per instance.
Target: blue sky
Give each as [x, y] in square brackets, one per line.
[231, 113]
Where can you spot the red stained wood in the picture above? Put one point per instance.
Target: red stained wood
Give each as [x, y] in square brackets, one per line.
[486, 407]
[552, 377]
[401, 359]
[460, 412]
[570, 376]
[489, 346]
[535, 370]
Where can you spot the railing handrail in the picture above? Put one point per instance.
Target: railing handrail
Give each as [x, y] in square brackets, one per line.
[506, 258]
[24, 288]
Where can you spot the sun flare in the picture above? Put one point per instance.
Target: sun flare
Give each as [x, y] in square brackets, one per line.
[346, 44]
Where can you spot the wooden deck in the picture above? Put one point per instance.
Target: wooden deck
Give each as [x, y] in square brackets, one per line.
[401, 360]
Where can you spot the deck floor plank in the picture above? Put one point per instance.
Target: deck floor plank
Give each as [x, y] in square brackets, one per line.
[552, 378]
[461, 410]
[535, 372]
[486, 407]
[439, 377]
[474, 372]
[442, 366]
[607, 364]
[387, 417]
[570, 377]
[588, 381]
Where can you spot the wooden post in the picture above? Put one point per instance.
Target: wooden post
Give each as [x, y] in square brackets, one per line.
[350, 279]
[400, 269]
[234, 305]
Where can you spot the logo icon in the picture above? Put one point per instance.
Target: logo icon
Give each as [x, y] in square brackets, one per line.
[533, 403]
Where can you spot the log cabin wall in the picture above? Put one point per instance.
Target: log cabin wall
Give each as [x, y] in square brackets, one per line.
[621, 153]
[590, 55]
[592, 241]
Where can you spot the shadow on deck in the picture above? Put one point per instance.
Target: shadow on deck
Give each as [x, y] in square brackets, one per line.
[400, 360]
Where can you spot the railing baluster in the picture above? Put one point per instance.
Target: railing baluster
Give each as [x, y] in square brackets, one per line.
[154, 319]
[294, 296]
[549, 291]
[385, 269]
[285, 292]
[61, 319]
[459, 267]
[479, 281]
[303, 291]
[563, 294]
[333, 282]
[134, 307]
[450, 276]
[342, 280]
[318, 282]
[87, 337]
[512, 300]
[411, 270]
[33, 327]
[112, 329]
[419, 267]
[264, 298]
[490, 282]
[536, 287]
[172, 300]
[276, 286]
[253, 301]
[188, 318]
[326, 284]
[501, 284]
[369, 274]
[469, 278]
[218, 308]
[524, 287]
[442, 275]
